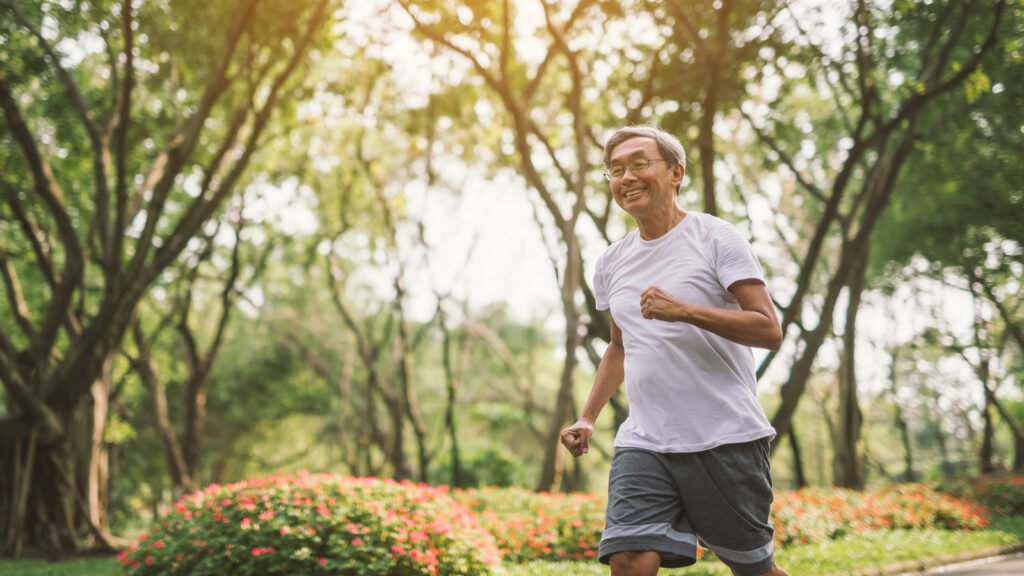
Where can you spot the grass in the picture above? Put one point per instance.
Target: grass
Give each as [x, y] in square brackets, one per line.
[848, 555]
[86, 567]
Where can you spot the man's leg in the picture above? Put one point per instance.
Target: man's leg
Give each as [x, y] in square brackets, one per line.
[635, 563]
[728, 495]
[644, 514]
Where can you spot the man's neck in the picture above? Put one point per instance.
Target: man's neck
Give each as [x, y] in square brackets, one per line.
[658, 226]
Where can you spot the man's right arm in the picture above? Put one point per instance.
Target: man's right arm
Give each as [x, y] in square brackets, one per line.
[609, 377]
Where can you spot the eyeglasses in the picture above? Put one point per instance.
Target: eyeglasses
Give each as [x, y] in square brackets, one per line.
[638, 166]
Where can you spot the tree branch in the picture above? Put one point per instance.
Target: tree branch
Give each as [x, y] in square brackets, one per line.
[47, 188]
[39, 413]
[811, 188]
[22, 315]
[913, 104]
[115, 245]
[200, 210]
[180, 148]
[31, 233]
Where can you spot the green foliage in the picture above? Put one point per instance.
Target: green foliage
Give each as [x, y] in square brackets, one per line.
[1003, 494]
[961, 187]
[315, 524]
[487, 467]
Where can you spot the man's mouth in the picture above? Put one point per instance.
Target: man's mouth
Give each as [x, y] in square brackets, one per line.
[627, 194]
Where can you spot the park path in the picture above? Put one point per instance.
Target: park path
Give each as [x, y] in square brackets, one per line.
[1004, 566]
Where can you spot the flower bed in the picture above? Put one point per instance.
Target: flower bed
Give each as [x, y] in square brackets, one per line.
[817, 514]
[315, 524]
[330, 524]
[532, 526]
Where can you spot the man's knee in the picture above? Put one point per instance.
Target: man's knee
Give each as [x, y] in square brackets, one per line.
[644, 563]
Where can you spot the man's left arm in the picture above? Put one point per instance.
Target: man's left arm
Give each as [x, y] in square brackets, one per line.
[755, 324]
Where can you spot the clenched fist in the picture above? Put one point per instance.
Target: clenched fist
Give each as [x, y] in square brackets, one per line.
[577, 437]
[656, 304]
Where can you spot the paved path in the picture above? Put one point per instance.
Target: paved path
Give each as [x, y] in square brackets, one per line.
[1006, 566]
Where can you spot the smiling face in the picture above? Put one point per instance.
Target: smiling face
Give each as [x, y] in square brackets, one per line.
[651, 193]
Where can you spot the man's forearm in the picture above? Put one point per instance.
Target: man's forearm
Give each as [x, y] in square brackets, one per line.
[609, 377]
[746, 327]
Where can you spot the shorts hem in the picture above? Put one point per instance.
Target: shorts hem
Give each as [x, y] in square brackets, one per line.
[755, 569]
[674, 554]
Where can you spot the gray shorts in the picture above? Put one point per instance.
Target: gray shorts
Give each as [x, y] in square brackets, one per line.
[664, 502]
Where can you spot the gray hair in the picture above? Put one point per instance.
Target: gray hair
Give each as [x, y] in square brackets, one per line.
[668, 145]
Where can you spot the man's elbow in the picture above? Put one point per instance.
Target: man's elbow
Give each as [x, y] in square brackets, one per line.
[774, 339]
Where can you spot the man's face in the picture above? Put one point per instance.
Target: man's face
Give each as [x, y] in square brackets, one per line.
[653, 190]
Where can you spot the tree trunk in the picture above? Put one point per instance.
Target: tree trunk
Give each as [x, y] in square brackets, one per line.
[181, 480]
[451, 385]
[873, 198]
[403, 352]
[848, 468]
[799, 479]
[99, 461]
[901, 424]
[986, 454]
[551, 467]
[983, 370]
[47, 493]
[1016, 431]
[935, 424]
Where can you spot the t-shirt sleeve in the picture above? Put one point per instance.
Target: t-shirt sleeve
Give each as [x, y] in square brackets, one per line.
[734, 258]
[600, 285]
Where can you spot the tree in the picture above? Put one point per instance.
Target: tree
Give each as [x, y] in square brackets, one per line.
[111, 166]
[519, 87]
[878, 123]
[957, 209]
[704, 68]
[200, 330]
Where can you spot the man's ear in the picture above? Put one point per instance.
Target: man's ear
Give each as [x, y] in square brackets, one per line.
[678, 168]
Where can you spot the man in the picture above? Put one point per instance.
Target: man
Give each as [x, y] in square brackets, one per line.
[687, 300]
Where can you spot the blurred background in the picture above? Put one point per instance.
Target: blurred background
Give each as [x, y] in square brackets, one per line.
[245, 237]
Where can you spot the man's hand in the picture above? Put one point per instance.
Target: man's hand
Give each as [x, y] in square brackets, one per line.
[656, 304]
[577, 437]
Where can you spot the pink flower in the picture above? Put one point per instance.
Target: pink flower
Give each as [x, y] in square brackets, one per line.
[323, 561]
[357, 542]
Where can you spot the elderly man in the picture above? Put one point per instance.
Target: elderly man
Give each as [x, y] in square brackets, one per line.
[687, 300]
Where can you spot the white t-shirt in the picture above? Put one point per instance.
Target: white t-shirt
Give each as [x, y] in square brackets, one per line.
[689, 390]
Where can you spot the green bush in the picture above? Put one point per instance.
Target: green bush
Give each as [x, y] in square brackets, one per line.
[315, 524]
[488, 467]
[1002, 493]
[532, 526]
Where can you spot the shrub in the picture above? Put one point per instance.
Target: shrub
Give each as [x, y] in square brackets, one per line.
[531, 526]
[818, 514]
[315, 524]
[1003, 494]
